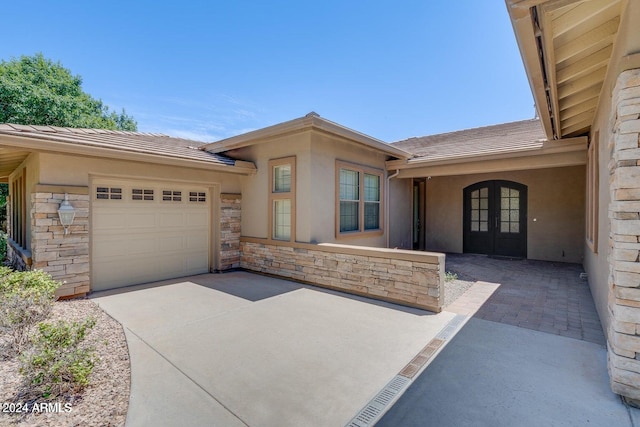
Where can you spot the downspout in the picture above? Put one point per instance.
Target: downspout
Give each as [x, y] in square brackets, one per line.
[386, 205]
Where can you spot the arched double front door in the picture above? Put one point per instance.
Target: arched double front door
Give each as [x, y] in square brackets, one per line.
[495, 218]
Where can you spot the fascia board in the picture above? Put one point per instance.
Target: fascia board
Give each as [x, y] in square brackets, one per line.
[54, 146]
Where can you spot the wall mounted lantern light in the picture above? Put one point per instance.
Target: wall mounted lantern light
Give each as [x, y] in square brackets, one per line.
[66, 212]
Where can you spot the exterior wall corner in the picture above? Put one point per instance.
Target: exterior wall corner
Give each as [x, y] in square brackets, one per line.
[624, 240]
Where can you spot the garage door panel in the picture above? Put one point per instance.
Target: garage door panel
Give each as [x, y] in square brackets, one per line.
[195, 242]
[138, 241]
[198, 219]
[171, 243]
[141, 220]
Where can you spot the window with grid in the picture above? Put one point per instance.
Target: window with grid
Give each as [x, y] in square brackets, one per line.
[349, 200]
[142, 194]
[171, 196]
[109, 193]
[371, 202]
[509, 210]
[359, 199]
[282, 198]
[480, 209]
[197, 196]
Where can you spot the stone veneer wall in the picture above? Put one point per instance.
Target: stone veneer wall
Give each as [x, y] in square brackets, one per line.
[624, 241]
[406, 277]
[230, 209]
[66, 258]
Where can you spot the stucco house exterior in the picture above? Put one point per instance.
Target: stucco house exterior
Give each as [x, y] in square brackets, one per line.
[314, 201]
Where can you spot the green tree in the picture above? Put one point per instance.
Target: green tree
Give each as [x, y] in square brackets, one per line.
[36, 91]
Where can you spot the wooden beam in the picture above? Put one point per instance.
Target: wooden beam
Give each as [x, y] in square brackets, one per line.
[577, 128]
[585, 116]
[582, 83]
[581, 13]
[585, 65]
[579, 98]
[579, 108]
[602, 35]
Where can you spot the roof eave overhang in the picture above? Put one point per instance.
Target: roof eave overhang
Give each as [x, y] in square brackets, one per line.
[528, 37]
[567, 152]
[300, 125]
[53, 146]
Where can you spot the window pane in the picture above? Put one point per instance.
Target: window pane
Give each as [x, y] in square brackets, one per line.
[282, 219]
[371, 188]
[371, 215]
[515, 203]
[484, 203]
[504, 227]
[475, 215]
[349, 216]
[515, 227]
[475, 226]
[484, 192]
[514, 216]
[475, 194]
[484, 215]
[282, 179]
[475, 203]
[504, 192]
[484, 226]
[504, 215]
[349, 185]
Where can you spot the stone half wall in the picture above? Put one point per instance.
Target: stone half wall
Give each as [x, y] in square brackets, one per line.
[230, 209]
[65, 257]
[624, 239]
[406, 277]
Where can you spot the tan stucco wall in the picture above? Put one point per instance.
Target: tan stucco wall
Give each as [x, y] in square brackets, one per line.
[325, 150]
[316, 154]
[255, 188]
[556, 198]
[597, 264]
[62, 169]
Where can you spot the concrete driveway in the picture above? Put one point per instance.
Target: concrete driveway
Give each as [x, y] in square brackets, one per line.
[240, 349]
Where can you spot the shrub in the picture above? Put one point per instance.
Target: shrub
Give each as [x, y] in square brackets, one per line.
[26, 298]
[450, 276]
[58, 362]
[3, 245]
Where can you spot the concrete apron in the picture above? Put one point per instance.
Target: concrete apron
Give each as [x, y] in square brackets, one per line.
[295, 356]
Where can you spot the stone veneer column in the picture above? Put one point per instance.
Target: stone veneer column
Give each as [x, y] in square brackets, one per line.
[624, 241]
[230, 210]
[66, 258]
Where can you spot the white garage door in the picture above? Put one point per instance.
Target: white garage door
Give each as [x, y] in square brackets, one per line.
[147, 231]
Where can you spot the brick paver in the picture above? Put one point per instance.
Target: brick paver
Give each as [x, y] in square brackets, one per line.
[543, 296]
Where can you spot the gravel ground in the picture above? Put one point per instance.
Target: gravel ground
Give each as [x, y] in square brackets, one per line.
[103, 403]
[454, 288]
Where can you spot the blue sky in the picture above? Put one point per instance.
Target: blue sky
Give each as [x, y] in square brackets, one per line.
[208, 70]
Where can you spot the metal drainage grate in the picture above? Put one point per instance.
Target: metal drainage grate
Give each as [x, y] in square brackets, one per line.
[378, 405]
[450, 330]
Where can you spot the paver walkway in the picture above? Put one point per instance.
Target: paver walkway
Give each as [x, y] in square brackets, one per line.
[532, 354]
[543, 296]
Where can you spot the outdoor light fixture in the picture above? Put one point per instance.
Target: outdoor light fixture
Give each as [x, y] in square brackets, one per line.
[66, 212]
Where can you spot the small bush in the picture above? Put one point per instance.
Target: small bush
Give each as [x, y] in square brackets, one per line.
[58, 362]
[449, 276]
[3, 245]
[26, 298]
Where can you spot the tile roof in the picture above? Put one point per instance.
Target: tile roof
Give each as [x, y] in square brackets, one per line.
[487, 140]
[134, 142]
